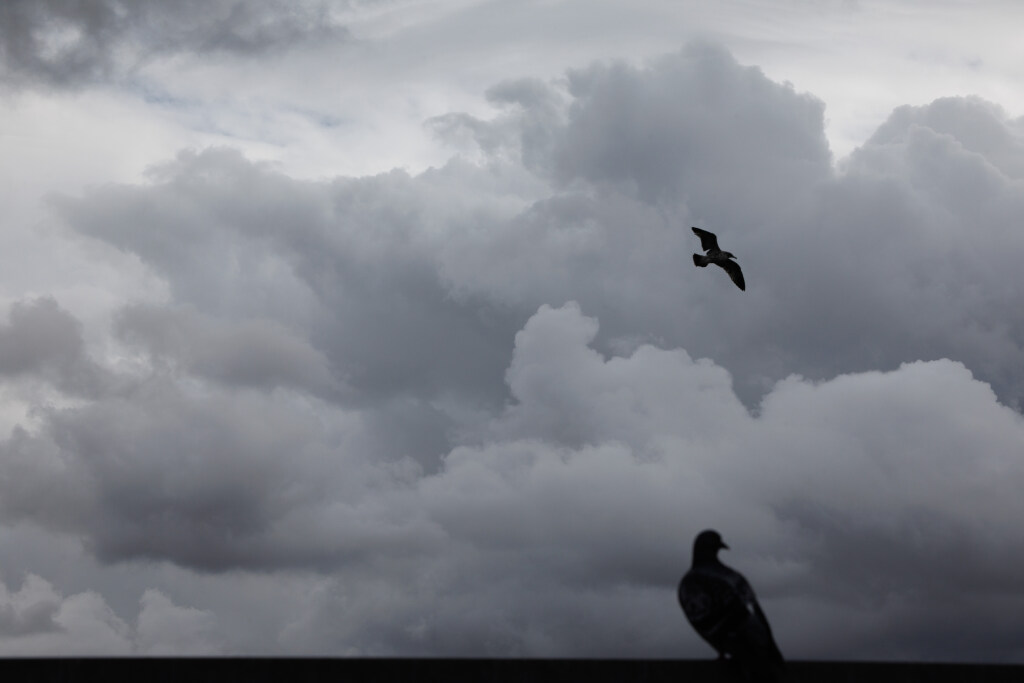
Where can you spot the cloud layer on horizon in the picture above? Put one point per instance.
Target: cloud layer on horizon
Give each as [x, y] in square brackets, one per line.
[493, 402]
[37, 621]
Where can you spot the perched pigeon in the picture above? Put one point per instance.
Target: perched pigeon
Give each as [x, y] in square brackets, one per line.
[721, 606]
[709, 243]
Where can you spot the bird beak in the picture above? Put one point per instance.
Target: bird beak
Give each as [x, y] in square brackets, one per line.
[724, 545]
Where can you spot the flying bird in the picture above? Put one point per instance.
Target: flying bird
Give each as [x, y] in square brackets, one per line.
[722, 608]
[709, 243]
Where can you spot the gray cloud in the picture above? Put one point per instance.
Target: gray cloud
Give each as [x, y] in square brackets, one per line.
[166, 630]
[494, 401]
[692, 128]
[37, 620]
[224, 479]
[29, 610]
[39, 334]
[45, 623]
[247, 353]
[848, 495]
[42, 340]
[904, 254]
[61, 44]
[843, 497]
[348, 263]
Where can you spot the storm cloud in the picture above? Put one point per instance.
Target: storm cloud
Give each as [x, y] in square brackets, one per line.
[491, 403]
[61, 44]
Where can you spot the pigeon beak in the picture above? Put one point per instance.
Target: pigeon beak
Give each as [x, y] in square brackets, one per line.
[724, 545]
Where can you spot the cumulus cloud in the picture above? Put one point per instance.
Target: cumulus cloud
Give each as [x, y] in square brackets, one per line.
[580, 504]
[351, 264]
[38, 621]
[849, 494]
[885, 261]
[43, 340]
[494, 401]
[30, 610]
[165, 629]
[223, 481]
[248, 353]
[53, 43]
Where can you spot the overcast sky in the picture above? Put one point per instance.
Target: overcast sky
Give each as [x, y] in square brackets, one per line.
[371, 327]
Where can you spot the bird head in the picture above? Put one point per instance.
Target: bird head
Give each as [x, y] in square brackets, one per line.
[729, 254]
[707, 544]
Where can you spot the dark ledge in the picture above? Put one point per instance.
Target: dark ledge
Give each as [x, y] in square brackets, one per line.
[300, 670]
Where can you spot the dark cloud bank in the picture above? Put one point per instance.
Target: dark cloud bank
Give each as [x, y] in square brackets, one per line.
[495, 401]
[56, 43]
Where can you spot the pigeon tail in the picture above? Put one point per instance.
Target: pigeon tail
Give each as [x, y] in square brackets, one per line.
[700, 261]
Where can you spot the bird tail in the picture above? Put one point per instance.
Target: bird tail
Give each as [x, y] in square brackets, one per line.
[699, 261]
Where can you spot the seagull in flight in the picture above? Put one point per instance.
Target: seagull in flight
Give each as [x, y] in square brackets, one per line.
[722, 608]
[709, 243]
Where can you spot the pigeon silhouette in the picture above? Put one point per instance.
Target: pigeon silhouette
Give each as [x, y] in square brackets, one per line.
[722, 608]
[709, 243]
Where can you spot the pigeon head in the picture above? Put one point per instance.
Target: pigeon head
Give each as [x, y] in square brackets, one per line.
[706, 545]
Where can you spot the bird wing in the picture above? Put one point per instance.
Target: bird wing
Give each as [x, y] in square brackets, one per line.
[713, 608]
[707, 239]
[771, 649]
[758, 632]
[735, 273]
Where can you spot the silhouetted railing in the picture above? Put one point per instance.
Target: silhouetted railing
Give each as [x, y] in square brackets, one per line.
[256, 670]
